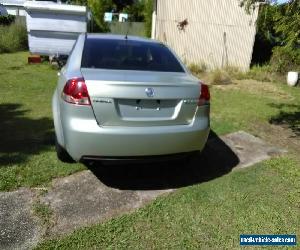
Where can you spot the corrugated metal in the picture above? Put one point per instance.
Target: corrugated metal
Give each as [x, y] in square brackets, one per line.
[51, 43]
[53, 28]
[219, 32]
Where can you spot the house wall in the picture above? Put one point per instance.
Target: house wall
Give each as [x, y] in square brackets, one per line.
[219, 32]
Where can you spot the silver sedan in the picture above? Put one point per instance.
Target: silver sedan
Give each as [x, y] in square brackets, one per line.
[122, 97]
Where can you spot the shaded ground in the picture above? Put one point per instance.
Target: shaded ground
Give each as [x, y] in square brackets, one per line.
[22, 136]
[102, 192]
[287, 118]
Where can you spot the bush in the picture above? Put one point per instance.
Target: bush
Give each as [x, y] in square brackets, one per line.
[198, 68]
[285, 59]
[148, 10]
[7, 20]
[13, 38]
[219, 77]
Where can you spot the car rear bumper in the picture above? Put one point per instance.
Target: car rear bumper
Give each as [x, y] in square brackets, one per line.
[86, 139]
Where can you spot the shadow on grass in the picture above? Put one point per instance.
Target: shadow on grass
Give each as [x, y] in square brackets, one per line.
[286, 118]
[216, 160]
[22, 136]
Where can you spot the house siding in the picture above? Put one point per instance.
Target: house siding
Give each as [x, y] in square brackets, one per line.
[219, 32]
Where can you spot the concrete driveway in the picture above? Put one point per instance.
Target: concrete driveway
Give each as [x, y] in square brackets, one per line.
[102, 192]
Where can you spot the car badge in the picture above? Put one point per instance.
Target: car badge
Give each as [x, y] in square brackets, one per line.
[149, 92]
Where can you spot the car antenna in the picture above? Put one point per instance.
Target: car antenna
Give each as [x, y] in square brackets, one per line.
[127, 32]
[126, 36]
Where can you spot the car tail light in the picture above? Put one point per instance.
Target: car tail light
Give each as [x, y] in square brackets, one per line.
[204, 95]
[75, 91]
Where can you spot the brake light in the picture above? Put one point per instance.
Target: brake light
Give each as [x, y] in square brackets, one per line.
[204, 95]
[75, 92]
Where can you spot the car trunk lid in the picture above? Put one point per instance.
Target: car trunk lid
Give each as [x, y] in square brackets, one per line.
[141, 98]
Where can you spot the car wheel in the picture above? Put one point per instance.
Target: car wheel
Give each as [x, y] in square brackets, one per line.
[62, 154]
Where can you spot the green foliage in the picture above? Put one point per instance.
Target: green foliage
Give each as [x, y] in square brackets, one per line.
[135, 11]
[283, 20]
[285, 59]
[138, 10]
[120, 5]
[44, 212]
[288, 24]
[148, 16]
[98, 8]
[197, 69]
[278, 28]
[13, 38]
[7, 20]
[266, 23]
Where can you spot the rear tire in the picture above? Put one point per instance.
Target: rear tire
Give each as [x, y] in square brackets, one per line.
[62, 154]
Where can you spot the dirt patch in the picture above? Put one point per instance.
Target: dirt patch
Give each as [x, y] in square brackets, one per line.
[281, 136]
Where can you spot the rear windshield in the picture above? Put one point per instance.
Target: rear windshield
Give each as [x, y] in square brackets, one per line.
[128, 55]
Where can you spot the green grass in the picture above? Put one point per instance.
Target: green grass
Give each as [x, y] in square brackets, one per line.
[44, 212]
[236, 108]
[260, 200]
[13, 37]
[27, 155]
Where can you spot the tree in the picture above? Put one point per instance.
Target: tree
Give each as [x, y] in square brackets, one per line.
[148, 10]
[136, 11]
[279, 24]
[98, 8]
[122, 4]
[286, 20]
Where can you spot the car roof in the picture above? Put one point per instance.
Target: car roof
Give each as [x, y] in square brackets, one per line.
[120, 37]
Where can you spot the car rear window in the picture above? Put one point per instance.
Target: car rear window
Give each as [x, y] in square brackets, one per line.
[128, 55]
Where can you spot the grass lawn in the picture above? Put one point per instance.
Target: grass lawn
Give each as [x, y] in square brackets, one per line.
[258, 200]
[263, 199]
[27, 156]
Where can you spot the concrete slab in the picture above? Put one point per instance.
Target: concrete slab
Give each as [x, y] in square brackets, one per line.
[81, 199]
[250, 149]
[19, 229]
[102, 192]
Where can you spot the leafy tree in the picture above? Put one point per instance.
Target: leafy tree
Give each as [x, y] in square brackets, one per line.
[98, 8]
[285, 20]
[279, 25]
[122, 4]
[136, 11]
[288, 24]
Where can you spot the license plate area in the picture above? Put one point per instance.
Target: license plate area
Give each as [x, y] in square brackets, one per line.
[145, 108]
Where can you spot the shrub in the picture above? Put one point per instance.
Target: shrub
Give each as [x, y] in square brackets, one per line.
[285, 59]
[7, 20]
[219, 77]
[148, 9]
[13, 38]
[198, 68]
